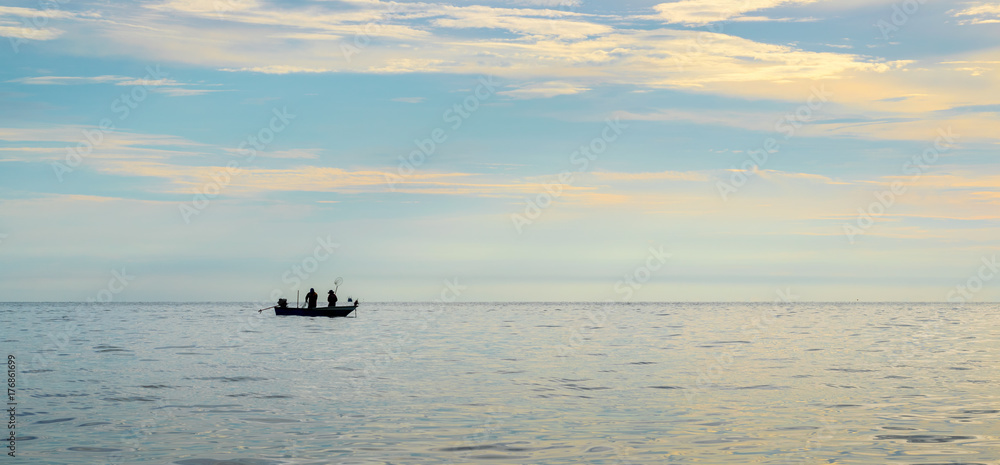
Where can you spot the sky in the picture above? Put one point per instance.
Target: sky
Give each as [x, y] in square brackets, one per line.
[500, 150]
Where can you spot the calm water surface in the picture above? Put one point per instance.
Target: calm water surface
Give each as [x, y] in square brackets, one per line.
[202, 384]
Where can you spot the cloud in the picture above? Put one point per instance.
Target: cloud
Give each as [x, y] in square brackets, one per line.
[544, 90]
[176, 92]
[754, 121]
[325, 21]
[811, 203]
[12, 29]
[150, 82]
[991, 108]
[29, 23]
[49, 143]
[547, 3]
[278, 69]
[752, 19]
[974, 67]
[700, 12]
[162, 86]
[409, 99]
[542, 52]
[249, 181]
[543, 47]
[70, 80]
[326, 179]
[521, 21]
[654, 176]
[106, 79]
[49, 13]
[983, 13]
[303, 154]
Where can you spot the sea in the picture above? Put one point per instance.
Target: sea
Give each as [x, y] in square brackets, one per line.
[499, 383]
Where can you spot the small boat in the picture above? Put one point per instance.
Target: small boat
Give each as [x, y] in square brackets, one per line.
[339, 311]
[335, 311]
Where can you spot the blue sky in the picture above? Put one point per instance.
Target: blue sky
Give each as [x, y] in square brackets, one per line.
[529, 149]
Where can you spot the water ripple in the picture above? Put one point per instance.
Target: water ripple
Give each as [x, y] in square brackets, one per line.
[923, 438]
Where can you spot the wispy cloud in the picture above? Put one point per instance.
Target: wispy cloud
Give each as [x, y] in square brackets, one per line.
[23, 23]
[531, 22]
[70, 80]
[544, 90]
[182, 92]
[982, 13]
[547, 3]
[13, 29]
[279, 69]
[755, 121]
[532, 44]
[302, 154]
[44, 144]
[185, 179]
[541, 51]
[654, 176]
[700, 12]
[975, 67]
[169, 87]
[409, 99]
[32, 13]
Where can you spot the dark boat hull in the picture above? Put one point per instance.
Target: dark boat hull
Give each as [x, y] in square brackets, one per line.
[331, 312]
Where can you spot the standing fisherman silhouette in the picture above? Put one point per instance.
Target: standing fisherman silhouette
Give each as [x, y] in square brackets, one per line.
[331, 300]
[311, 298]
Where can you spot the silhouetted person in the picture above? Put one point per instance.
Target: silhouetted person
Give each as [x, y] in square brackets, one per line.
[331, 299]
[311, 298]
